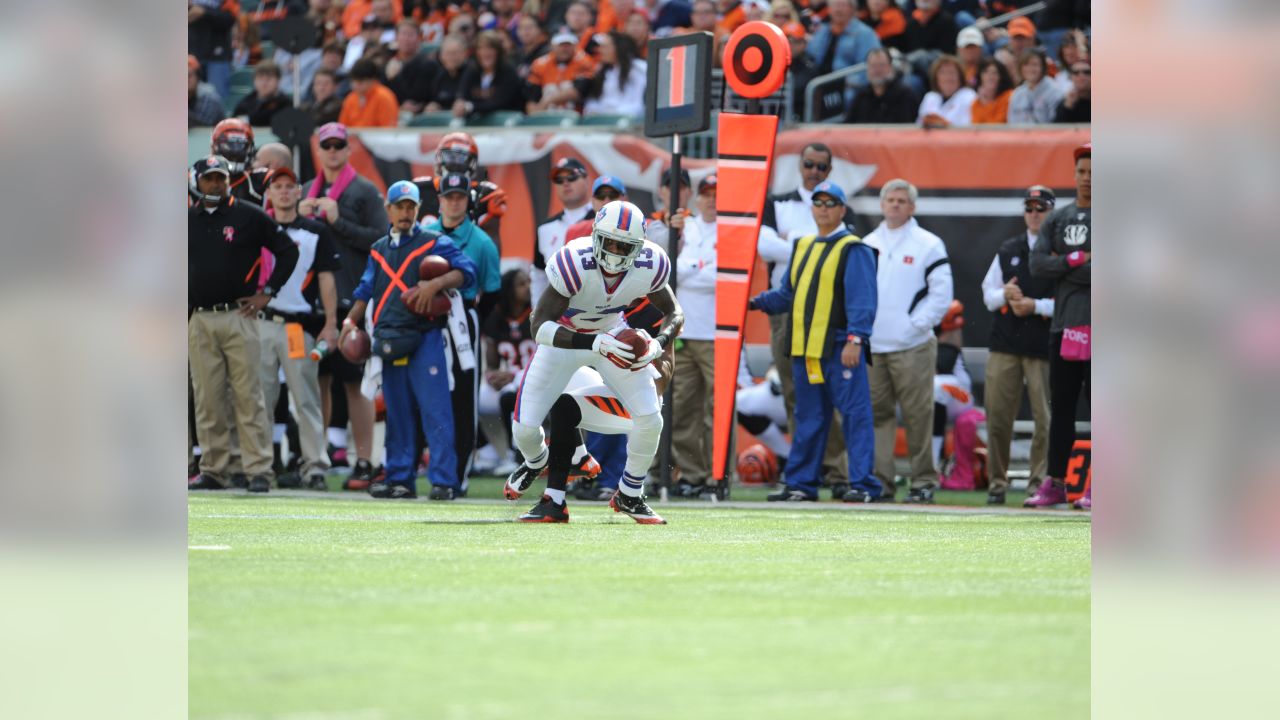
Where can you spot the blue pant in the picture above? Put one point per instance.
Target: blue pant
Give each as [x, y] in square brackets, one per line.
[218, 74]
[611, 452]
[846, 390]
[418, 391]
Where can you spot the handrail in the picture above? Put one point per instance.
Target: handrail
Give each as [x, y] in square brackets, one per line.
[997, 21]
[811, 88]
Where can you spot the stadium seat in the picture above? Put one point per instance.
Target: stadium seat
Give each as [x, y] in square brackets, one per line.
[442, 118]
[551, 118]
[621, 122]
[501, 118]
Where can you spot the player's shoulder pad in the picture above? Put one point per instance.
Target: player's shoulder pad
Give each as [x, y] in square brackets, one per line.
[563, 272]
[661, 266]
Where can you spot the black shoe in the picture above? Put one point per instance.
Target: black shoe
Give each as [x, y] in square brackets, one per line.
[205, 482]
[546, 511]
[519, 481]
[289, 481]
[858, 495]
[361, 477]
[886, 498]
[686, 489]
[259, 484]
[444, 492]
[193, 469]
[787, 494]
[240, 480]
[593, 492]
[995, 498]
[317, 482]
[920, 496]
[636, 507]
[392, 491]
[839, 490]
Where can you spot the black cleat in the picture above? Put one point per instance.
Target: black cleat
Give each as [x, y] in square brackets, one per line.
[288, 481]
[392, 491]
[787, 494]
[361, 477]
[636, 507]
[995, 498]
[546, 511]
[519, 481]
[857, 495]
[920, 496]
[591, 491]
[259, 484]
[205, 482]
[444, 492]
[686, 489]
[839, 490]
[317, 482]
[240, 480]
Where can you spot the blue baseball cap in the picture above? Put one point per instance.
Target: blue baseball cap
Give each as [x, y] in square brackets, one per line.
[403, 190]
[609, 181]
[829, 188]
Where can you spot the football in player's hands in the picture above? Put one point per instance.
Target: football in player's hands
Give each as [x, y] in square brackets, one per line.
[650, 352]
[628, 341]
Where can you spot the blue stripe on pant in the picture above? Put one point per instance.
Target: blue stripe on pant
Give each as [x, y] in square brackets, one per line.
[611, 452]
[419, 392]
[851, 396]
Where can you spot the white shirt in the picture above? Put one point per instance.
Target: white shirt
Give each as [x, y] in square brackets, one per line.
[993, 285]
[550, 239]
[913, 279]
[620, 100]
[596, 303]
[696, 279]
[957, 109]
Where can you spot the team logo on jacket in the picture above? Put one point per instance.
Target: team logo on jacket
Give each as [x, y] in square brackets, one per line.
[228, 233]
[1075, 235]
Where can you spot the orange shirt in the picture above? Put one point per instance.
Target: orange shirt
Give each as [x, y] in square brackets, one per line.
[995, 112]
[378, 109]
[892, 23]
[353, 15]
[731, 20]
[545, 71]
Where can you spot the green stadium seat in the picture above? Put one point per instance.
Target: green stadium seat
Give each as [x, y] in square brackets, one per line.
[502, 118]
[621, 122]
[551, 118]
[442, 118]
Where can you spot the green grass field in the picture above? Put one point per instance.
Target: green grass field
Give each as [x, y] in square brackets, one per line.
[341, 607]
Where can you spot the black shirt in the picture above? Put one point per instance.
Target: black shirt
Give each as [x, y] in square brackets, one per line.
[224, 249]
[898, 104]
[260, 111]
[416, 80]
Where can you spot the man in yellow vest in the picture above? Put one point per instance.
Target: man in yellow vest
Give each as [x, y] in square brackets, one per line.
[830, 291]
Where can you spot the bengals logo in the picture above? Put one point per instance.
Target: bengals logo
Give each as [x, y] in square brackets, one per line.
[1075, 235]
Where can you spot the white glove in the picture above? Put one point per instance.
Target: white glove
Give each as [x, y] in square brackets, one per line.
[607, 345]
[651, 353]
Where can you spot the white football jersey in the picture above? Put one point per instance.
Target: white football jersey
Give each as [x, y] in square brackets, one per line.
[596, 304]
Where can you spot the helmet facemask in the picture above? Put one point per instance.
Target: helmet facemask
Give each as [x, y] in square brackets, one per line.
[612, 262]
[237, 149]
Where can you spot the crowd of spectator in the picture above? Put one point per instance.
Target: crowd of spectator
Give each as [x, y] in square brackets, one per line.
[380, 63]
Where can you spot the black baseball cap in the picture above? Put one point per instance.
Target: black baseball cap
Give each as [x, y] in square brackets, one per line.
[568, 164]
[454, 182]
[684, 177]
[1040, 193]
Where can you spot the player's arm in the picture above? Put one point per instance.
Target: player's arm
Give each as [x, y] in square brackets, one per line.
[548, 331]
[672, 321]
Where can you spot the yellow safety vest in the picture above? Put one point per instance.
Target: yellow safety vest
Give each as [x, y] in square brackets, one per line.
[813, 277]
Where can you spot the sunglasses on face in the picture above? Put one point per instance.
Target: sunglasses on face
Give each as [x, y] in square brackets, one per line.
[826, 203]
[822, 167]
[1082, 71]
[1033, 207]
[607, 195]
[333, 145]
[562, 179]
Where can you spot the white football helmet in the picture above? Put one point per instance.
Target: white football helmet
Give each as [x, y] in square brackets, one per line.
[622, 222]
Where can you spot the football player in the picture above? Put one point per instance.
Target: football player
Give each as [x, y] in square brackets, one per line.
[233, 139]
[591, 283]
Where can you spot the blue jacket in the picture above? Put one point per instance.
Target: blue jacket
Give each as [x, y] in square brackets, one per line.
[395, 249]
[478, 246]
[852, 47]
[860, 294]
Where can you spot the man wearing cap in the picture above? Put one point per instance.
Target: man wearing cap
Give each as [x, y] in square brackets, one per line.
[885, 99]
[1063, 257]
[352, 207]
[225, 239]
[1022, 35]
[570, 179]
[551, 84]
[289, 326]
[411, 347]
[477, 300]
[694, 378]
[970, 48]
[914, 284]
[605, 189]
[1019, 345]
[786, 219]
[830, 293]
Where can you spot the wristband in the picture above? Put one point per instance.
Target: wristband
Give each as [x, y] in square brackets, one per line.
[1075, 259]
[547, 333]
[855, 339]
[583, 341]
[662, 339]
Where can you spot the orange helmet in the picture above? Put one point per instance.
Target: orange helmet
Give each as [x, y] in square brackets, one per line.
[757, 465]
[233, 140]
[954, 319]
[457, 152]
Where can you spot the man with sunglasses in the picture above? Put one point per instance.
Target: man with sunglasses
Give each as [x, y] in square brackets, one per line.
[1075, 104]
[353, 209]
[786, 218]
[1019, 344]
[569, 178]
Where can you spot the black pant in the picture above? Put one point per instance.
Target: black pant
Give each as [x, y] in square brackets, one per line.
[1066, 378]
[465, 397]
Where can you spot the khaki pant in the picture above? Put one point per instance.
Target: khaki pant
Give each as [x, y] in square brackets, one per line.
[835, 460]
[1004, 378]
[301, 374]
[222, 348]
[904, 378]
[693, 388]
